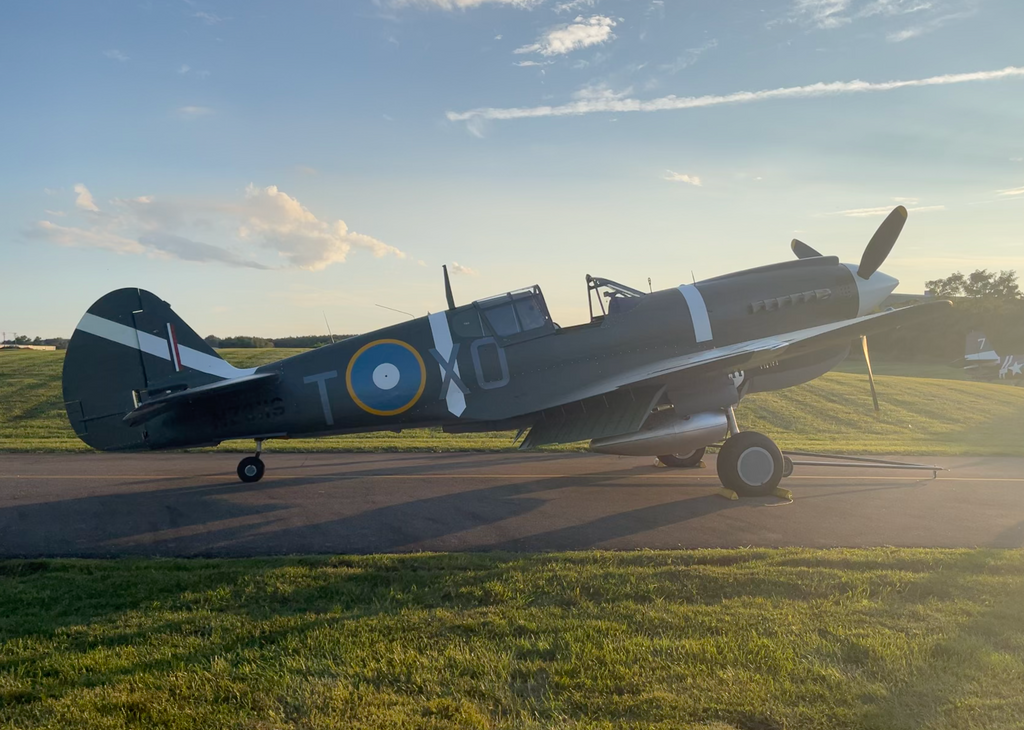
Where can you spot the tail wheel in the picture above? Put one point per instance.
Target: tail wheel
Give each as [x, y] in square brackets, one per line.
[750, 464]
[250, 469]
[690, 459]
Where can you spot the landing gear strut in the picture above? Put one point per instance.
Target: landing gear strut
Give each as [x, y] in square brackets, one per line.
[749, 463]
[250, 469]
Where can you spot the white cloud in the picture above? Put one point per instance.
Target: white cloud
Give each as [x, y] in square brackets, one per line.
[266, 220]
[830, 14]
[922, 29]
[574, 5]
[209, 18]
[115, 55]
[1011, 191]
[670, 103]
[581, 33]
[689, 57]
[528, 64]
[462, 4]
[683, 178]
[193, 112]
[184, 69]
[281, 223]
[883, 210]
[458, 268]
[821, 13]
[84, 201]
[594, 92]
[76, 237]
[169, 245]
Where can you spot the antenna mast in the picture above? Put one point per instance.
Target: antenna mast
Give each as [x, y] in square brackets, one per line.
[448, 288]
[324, 312]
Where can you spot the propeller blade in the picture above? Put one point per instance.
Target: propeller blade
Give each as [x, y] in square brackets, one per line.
[871, 375]
[802, 250]
[881, 243]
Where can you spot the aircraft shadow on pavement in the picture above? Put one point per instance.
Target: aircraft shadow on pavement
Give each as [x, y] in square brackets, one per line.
[180, 517]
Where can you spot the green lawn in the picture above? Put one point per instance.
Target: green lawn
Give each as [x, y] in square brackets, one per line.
[747, 639]
[904, 369]
[834, 413]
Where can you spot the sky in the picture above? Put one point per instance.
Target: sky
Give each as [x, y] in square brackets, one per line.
[264, 166]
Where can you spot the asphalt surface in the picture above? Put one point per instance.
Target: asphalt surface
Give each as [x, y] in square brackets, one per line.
[193, 504]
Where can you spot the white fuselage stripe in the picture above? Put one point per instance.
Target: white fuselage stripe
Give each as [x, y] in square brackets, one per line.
[698, 312]
[159, 347]
[455, 398]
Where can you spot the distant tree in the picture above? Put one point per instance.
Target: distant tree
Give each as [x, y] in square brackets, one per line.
[212, 340]
[22, 340]
[982, 284]
[245, 341]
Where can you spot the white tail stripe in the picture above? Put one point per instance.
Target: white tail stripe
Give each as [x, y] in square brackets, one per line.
[159, 347]
[698, 312]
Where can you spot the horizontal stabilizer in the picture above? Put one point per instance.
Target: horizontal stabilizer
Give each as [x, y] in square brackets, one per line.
[191, 396]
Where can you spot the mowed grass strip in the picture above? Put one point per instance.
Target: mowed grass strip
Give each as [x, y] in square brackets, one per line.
[833, 413]
[724, 639]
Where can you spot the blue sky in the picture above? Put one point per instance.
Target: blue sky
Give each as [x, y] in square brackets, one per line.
[258, 164]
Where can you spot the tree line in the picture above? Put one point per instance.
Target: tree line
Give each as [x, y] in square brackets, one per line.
[59, 342]
[246, 341]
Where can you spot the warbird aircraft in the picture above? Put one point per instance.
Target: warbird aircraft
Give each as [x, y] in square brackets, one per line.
[650, 374]
[982, 362]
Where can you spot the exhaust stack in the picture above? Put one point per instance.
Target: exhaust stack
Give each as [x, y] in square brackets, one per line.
[677, 436]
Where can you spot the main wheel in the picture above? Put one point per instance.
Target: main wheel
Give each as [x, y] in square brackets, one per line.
[750, 464]
[250, 469]
[683, 460]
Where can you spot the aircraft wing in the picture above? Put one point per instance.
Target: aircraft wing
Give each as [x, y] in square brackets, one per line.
[750, 354]
[192, 396]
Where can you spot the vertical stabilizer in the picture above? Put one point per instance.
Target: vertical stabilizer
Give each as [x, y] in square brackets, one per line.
[128, 347]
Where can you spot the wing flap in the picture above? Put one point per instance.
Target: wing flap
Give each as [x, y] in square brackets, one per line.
[150, 409]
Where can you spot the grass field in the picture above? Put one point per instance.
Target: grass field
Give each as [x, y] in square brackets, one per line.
[833, 413]
[753, 640]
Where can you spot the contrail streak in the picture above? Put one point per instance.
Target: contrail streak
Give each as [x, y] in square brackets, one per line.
[667, 103]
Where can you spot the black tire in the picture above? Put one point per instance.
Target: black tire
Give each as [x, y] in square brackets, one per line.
[250, 469]
[683, 460]
[750, 464]
[787, 467]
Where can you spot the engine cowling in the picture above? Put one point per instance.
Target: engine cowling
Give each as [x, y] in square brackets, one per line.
[669, 436]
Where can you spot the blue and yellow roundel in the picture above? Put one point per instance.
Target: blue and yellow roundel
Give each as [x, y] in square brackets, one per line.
[386, 377]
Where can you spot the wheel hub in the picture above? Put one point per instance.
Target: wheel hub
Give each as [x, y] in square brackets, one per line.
[755, 466]
[250, 470]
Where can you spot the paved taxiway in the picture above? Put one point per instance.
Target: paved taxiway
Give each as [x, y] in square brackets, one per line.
[193, 504]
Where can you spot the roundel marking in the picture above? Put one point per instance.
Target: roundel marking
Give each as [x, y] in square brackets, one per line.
[386, 377]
